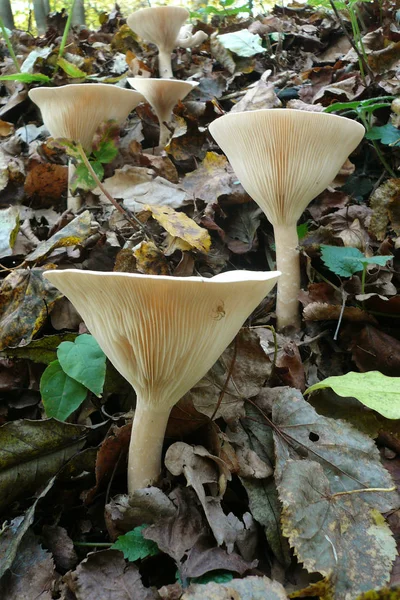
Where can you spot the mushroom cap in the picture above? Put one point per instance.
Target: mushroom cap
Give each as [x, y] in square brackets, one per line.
[163, 333]
[159, 25]
[283, 157]
[162, 94]
[75, 111]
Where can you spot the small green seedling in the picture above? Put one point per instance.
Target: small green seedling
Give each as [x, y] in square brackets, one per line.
[80, 366]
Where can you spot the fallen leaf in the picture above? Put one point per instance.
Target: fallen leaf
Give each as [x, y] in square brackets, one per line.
[105, 575]
[228, 384]
[337, 535]
[385, 203]
[181, 226]
[71, 235]
[150, 260]
[250, 588]
[260, 95]
[57, 540]
[350, 459]
[33, 451]
[373, 389]
[177, 534]
[373, 349]
[25, 301]
[32, 574]
[320, 311]
[9, 226]
[205, 557]
[112, 450]
[138, 186]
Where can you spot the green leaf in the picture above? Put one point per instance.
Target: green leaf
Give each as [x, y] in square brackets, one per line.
[70, 69]
[377, 391]
[61, 394]
[387, 134]
[134, 546]
[83, 179]
[337, 535]
[26, 78]
[302, 230]
[106, 153]
[242, 42]
[84, 361]
[347, 261]
[43, 350]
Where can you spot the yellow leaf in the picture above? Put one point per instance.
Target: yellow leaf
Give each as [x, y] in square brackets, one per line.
[150, 260]
[181, 226]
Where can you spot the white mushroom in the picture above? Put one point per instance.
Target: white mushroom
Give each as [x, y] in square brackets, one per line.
[284, 158]
[162, 334]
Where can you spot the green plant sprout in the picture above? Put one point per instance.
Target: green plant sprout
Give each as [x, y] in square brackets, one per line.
[9, 45]
[226, 9]
[363, 110]
[345, 261]
[351, 10]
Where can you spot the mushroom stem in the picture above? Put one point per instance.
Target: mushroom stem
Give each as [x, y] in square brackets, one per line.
[147, 437]
[74, 203]
[288, 262]
[165, 64]
[164, 134]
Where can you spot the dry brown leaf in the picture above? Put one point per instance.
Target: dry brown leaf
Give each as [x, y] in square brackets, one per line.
[320, 311]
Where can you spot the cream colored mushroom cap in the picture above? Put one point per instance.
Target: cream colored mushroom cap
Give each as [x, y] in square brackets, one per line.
[162, 94]
[163, 333]
[159, 25]
[75, 111]
[284, 158]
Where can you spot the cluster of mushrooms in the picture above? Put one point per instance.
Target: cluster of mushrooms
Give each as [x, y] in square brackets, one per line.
[164, 333]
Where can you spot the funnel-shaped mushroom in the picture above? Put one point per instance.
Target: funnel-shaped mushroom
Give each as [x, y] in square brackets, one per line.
[162, 334]
[76, 111]
[161, 26]
[284, 158]
[163, 95]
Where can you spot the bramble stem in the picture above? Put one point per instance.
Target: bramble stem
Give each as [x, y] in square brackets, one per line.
[288, 262]
[147, 438]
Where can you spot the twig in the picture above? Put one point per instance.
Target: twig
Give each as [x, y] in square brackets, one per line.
[133, 221]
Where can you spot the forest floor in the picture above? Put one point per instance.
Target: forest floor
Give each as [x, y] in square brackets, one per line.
[262, 494]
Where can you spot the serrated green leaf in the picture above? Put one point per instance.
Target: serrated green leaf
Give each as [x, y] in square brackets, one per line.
[61, 394]
[377, 391]
[346, 261]
[70, 69]
[387, 134]
[134, 546]
[106, 153]
[26, 78]
[84, 361]
[83, 179]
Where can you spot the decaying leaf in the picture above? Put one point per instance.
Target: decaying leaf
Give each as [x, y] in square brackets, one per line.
[71, 235]
[250, 588]
[9, 225]
[25, 301]
[350, 458]
[212, 179]
[229, 382]
[179, 225]
[385, 203]
[33, 451]
[150, 260]
[336, 534]
[32, 574]
[105, 575]
[138, 186]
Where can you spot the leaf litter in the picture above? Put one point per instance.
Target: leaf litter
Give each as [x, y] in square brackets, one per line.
[257, 483]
